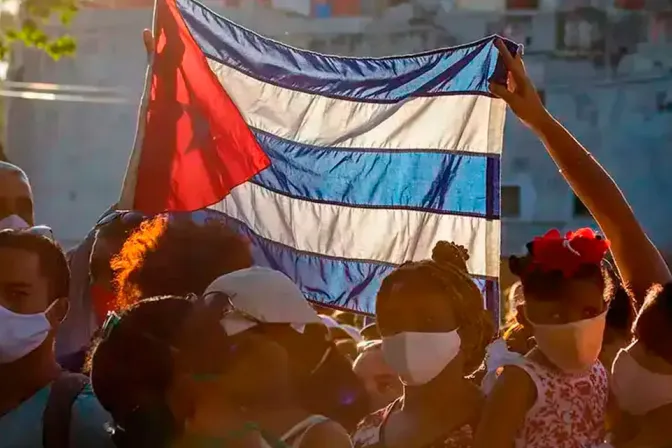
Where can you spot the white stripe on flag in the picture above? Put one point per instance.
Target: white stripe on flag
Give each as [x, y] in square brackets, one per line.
[449, 122]
[390, 236]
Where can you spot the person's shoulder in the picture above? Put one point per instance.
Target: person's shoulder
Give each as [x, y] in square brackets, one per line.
[22, 426]
[88, 426]
[327, 433]
[518, 377]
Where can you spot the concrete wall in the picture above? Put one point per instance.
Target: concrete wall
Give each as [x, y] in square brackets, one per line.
[623, 127]
[76, 153]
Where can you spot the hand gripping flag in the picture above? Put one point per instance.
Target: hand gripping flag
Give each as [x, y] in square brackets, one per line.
[335, 169]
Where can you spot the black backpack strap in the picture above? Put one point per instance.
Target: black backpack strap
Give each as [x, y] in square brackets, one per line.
[58, 412]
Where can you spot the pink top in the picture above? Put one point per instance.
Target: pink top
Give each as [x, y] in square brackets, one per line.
[570, 410]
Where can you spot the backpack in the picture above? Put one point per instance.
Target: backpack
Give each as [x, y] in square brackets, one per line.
[58, 412]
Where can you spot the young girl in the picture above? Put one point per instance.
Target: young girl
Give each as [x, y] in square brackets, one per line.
[557, 394]
[642, 377]
[434, 332]
[639, 262]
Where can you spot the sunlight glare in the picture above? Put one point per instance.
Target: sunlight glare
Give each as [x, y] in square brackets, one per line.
[10, 6]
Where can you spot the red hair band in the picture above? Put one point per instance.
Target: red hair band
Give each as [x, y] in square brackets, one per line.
[553, 252]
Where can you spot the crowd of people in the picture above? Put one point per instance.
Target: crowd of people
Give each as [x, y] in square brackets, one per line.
[169, 336]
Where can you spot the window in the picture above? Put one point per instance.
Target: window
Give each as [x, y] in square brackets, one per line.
[510, 201]
[517, 28]
[631, 4]
[522, 4]
[581, 32]
[578, 209]
[661, 29]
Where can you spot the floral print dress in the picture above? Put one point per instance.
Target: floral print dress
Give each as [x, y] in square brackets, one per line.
[570, 410]
[369, 433]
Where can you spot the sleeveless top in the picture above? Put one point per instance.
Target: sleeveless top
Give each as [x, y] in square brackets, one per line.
[294, 437]
[369, 432]
[570, 410]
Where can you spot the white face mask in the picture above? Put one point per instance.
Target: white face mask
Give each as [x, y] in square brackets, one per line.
[637, 389]
[20, 334]
[14, 222]
[572, 347]
[418, 358]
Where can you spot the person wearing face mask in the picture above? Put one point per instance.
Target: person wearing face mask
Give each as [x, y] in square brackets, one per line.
[642, 377]
[556, 395]
[39, 404]
[16, 198]
[434, 332]
[322, 378]
[640, 264]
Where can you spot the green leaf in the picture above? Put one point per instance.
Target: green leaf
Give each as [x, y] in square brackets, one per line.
[32, 32]
[11, 35]
[4, 50]
[67, 15]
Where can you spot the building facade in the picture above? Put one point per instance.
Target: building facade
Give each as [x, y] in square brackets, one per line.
[604, 69]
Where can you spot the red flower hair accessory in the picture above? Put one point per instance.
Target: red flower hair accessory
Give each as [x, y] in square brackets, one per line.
[552, 252]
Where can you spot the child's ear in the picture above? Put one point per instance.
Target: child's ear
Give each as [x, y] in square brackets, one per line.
[521, 317]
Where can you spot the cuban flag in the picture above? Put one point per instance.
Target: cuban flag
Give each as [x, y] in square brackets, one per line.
[336, 169]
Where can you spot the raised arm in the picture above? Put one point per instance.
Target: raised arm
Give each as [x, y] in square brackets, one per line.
[637, 259]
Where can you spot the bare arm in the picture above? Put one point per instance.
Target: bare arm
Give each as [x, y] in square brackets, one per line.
[637, 259]
[326, 435]
[504, 414]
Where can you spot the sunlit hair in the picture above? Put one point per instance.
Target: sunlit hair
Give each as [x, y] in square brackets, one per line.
[446, 273]
[653, 326]
[622, 310]
[176, 257]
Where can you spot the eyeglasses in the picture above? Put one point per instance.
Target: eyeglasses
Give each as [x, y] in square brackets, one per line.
[126, 217]
[230, 316]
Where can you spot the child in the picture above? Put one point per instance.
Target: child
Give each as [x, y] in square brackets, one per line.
[557, 394]
[434, 332]
[642, 377]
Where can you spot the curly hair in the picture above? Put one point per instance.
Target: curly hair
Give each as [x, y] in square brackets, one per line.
[447, 274]
[166, 256]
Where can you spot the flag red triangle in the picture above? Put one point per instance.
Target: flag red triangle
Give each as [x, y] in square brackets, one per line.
[196, 146]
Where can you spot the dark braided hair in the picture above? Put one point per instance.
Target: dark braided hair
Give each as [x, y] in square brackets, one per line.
[446, 273]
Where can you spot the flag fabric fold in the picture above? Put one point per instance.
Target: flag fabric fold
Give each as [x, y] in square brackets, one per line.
[335, 169]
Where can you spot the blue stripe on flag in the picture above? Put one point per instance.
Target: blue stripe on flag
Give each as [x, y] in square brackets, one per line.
[342, 283]
[458, 70]
[434, 181]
